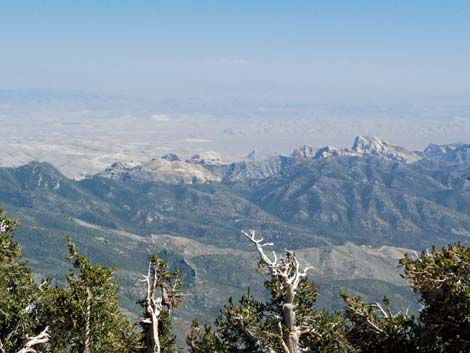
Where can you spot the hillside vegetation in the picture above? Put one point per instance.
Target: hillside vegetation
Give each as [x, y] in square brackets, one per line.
[82, 314]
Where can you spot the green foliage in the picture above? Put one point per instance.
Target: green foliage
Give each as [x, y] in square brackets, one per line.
[20, 297]
[202, 340]
[86, 312]
[374, 328]
[238, 326]
[442, 279]
[259, 326]
[328, 334]
[165, 333]
[84, 315]
[165, 284]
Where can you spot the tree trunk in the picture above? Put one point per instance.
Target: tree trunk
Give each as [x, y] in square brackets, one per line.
[87, 330]
[290, 322]
[151, 332]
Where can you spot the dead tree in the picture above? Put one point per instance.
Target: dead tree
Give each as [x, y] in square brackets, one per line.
[162, 294]
[42, 338]
[287, 271]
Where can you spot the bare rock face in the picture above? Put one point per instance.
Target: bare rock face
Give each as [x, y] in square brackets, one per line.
[171, 157]
[208, 166]
[168, 169]
[251, 156]
[454, 158]
[174, 172]
[309, 152]
[363, 146]
[118, 170]
[366, 145]
[438, 151]
[209, 158]
[304, 152]
[332, 151]
[454, 152]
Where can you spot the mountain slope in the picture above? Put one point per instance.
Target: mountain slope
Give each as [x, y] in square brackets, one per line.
[367, 200]
[297, 202]
[329, 210]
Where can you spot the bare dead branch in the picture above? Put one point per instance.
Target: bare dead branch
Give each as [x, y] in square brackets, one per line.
[42, 338]
[287, 270]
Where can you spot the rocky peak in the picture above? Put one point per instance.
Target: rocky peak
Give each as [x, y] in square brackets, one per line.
[373, 145]
[206, 158]
[330, 151]
[251, 156]
[41, 175]
[172, 157]
[363, 146]
[304, 152]
[118, 166]
[168, 171]
[366, 145]
[452, 152]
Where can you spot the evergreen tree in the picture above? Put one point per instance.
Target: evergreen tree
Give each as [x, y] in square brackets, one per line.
[287, 322]
[85, 315]
[20, 297]
[163, 294]
[374, 328]
[204, 339]
[442, 279]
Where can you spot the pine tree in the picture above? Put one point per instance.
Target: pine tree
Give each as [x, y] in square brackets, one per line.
[287, 322]
[163, 294]
[374, 328]
[20, 297]
[85, 316]
[442, 279]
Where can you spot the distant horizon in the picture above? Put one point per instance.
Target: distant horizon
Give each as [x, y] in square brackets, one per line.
[299, 51]
[90, 82]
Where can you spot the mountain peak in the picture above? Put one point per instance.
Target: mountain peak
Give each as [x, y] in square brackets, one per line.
[206, 158]
[452, 152]
[172, 157]
[39, 175]
[362, 146]
[168, 169]
[368, 145]
[251, 156]
[304, 152]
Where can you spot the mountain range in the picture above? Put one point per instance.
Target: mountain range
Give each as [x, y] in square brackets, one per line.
[351, 213]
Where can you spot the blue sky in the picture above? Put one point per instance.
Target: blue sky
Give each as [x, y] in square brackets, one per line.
[305, 51]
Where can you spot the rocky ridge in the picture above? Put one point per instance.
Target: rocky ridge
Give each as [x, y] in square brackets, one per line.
[168, 169]
[209, 167]
[362, 146]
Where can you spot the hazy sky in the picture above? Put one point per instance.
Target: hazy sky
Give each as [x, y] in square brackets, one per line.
[354, 50]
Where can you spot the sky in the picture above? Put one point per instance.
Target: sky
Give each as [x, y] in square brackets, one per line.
[296, 51]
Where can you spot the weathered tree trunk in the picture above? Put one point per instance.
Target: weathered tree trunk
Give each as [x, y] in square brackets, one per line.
[87, 330]
[287, 270]
[42, 338]
[153, 309]
[151, 333]
[289, 320]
